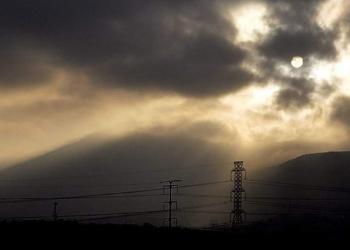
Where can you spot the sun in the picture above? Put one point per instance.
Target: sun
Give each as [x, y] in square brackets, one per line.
[297, 62]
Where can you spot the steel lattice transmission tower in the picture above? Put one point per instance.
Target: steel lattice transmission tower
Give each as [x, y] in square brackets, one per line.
[54, 213]
[170, 202]
[237, 212]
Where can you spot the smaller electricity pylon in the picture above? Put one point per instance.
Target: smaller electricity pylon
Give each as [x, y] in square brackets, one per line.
[170, 186]
[54, 213]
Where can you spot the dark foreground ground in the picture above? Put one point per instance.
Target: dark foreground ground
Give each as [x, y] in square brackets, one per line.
[69, 233]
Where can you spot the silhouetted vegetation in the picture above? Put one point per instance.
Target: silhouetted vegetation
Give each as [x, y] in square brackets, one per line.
[275, 231]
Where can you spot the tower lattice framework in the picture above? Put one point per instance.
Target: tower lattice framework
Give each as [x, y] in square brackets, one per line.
[237, 191]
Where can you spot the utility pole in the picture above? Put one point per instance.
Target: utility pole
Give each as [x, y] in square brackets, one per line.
[54, 214]
[237, 222]
[170, 186]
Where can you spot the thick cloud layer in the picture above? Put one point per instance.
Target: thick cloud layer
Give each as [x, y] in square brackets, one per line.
[77, 67]
[295, 32]
[296, 95]
[168, 45]
[305, 42]
[178, 46]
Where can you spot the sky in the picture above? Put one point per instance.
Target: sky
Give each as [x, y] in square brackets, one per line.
[217, 71]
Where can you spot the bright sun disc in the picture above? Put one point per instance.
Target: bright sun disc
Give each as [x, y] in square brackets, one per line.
[297, 62]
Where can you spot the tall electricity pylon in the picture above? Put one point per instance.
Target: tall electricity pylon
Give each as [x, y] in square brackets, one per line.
[237, 212]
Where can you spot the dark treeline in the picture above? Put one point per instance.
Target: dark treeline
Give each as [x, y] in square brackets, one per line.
[275, 232]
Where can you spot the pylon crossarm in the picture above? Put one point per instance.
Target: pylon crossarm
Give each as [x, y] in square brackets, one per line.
[165, 188]
[177, 188]
[164, 204]
[175, 219]
[165, 221]
[175, 204]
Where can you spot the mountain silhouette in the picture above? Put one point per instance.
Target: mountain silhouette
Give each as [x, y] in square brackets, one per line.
[314, 187]
[330, 169]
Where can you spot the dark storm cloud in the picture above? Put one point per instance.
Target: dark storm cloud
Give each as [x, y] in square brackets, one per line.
[309, 41]
[21, 64]
[294, 12]
[296, 32]
[205, 65]
[288, 98]
[180, 46]
[295, 95]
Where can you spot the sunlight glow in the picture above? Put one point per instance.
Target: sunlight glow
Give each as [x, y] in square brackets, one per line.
[251, 97]
[322, 71]
[342, 72]
[249, 20]
[342, 68]
[329, 13]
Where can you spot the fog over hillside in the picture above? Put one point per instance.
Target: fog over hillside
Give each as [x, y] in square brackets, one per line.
[134, 166]
[101, 165]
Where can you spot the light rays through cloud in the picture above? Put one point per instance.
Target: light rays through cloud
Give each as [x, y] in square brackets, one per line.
[169, 67]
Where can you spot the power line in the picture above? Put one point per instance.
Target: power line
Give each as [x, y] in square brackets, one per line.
[295, 206]
[204, 196]
[92, 196]
[302, 186]
[82, 215]
[206, 205]
[102, 185]
[128, 194]
[299, 168]
[297, 199]
[117, 174]
[117, 215]
[318, 171]
[98, 197]
[205, 184]
[123, 215]
[103, 195]
[80, 186]
[298, 214]
[262, 198]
